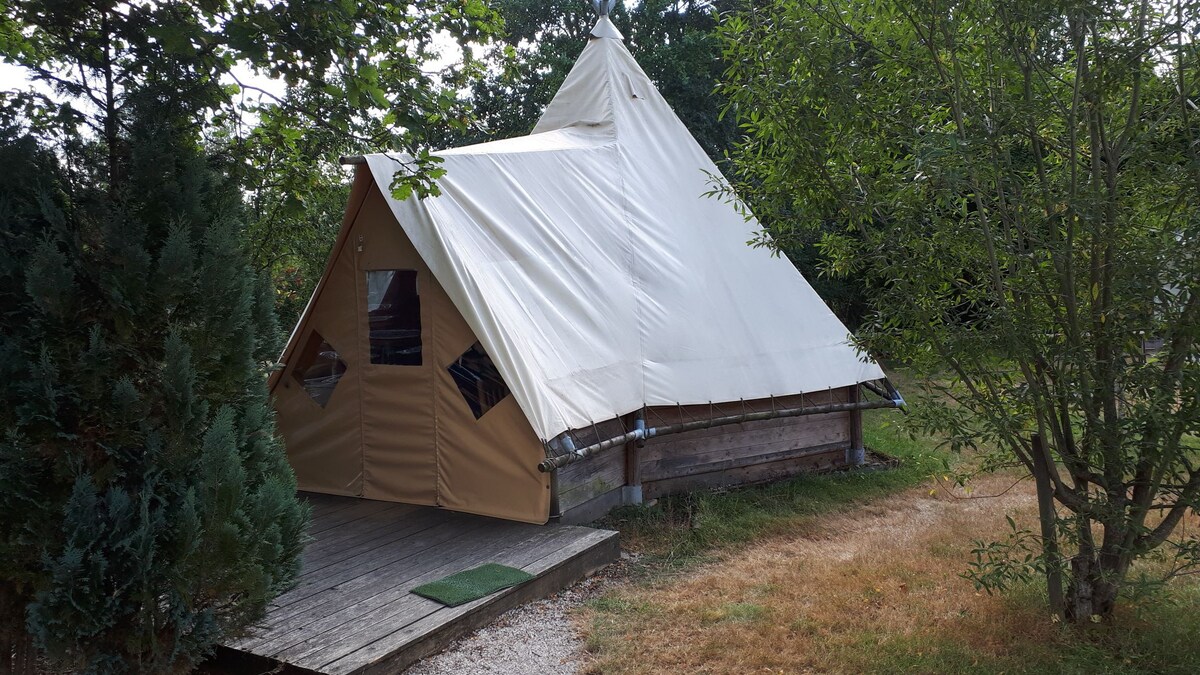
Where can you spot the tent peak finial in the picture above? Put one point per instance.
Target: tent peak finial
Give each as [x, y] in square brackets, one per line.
[604, 27]
[603, 7]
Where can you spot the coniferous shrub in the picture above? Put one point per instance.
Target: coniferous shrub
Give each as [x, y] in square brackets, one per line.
[146, 506]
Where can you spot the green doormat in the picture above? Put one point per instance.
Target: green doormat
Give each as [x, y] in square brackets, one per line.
[472, 584]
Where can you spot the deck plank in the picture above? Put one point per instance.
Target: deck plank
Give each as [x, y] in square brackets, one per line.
[352, 610]
[323, 504]
[430, 633]
[382, 605]
[328, 594]
[366, 536]
[348, 602]
[372, 556]
[347, 517]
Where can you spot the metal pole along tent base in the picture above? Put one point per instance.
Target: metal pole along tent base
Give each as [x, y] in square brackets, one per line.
[641, 432]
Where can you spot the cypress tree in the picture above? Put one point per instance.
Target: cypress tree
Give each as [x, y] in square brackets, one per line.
[146, 506]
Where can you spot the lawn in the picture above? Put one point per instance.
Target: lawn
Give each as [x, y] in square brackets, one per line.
[857, 572]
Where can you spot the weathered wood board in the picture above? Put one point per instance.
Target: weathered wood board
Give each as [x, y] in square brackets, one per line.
[352, 612]
[722, 456]
[586, 480]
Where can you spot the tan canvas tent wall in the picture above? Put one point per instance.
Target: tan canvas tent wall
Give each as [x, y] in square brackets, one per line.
[581, 276]
[400, 432]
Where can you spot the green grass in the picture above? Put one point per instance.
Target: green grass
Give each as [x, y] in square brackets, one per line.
[742, 612]
[683, 529]
[1158, 635]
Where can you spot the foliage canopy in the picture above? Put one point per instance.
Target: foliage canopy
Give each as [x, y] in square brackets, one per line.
[280, 89]
[1020, 185]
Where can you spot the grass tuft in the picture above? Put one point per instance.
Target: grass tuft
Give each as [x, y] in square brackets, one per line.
[742, 612]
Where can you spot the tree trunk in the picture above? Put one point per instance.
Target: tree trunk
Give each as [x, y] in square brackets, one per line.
[1049, 522]
[111, 128]
[1093, 592]
[18, 656]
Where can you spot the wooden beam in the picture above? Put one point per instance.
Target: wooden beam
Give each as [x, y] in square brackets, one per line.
[555, 507]
[856, 455]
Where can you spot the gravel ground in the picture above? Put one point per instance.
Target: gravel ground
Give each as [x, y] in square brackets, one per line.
[540, 638]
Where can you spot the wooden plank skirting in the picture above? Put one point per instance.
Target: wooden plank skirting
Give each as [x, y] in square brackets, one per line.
[352, 612]
[762, 470]
[754, 451]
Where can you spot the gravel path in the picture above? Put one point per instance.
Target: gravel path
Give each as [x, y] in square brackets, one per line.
[540, 638]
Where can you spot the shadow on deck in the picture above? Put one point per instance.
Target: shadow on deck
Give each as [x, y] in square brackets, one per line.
[352, 612]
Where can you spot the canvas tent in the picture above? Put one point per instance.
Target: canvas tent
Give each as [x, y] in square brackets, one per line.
[560, 283]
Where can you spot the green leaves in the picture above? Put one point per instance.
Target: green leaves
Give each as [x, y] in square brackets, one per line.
[174, 277]
[51, 282]
[179, 384]
[997, 174]
[418, 177]
[158, 512]
[998, 567]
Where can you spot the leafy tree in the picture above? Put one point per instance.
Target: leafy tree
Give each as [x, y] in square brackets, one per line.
[539, 44]
[357, 69]
[296, 193]
[347, 77]
[1020, 185]
[147, 506]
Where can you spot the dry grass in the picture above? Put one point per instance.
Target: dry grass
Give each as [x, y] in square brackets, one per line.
[873, 589]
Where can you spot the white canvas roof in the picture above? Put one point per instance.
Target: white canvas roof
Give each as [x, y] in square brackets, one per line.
[597, 274]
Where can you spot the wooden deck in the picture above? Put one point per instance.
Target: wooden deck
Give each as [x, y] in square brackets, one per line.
[352, 611]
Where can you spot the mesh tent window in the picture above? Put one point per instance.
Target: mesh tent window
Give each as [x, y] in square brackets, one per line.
[318, 368]
[394, 316]
[478, 380]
